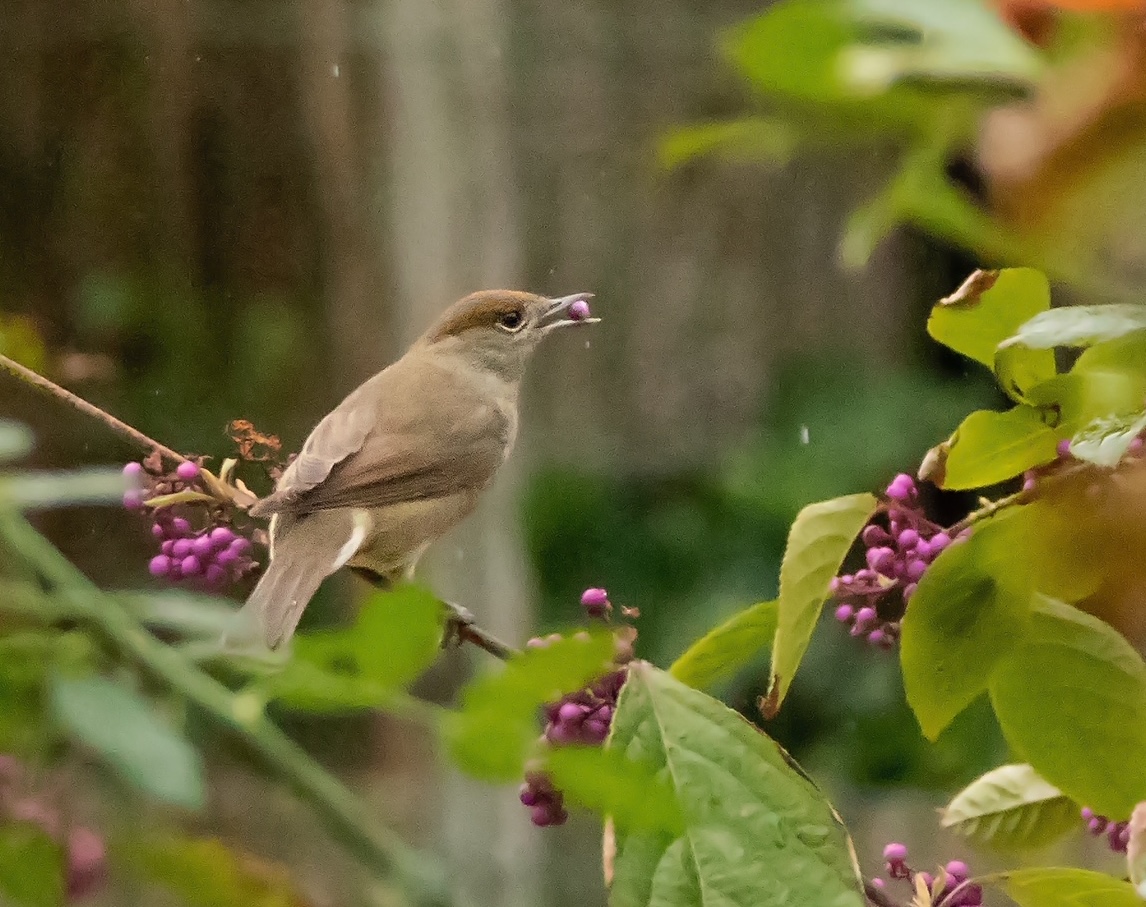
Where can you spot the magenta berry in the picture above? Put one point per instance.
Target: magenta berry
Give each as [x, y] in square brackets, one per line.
[133, 499]
[844, 613]
[187, 471]
[1063, 448]
[132, 470]
[159, 565]
[579, 311]
[595, 602]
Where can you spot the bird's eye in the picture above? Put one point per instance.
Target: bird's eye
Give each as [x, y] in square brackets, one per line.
[511, 320]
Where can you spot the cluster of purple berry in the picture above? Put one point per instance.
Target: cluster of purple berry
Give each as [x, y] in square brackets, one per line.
[874, 599]
[211, 558]
[1117, 833]
[85, 851]
[949, 886]
[583, 717]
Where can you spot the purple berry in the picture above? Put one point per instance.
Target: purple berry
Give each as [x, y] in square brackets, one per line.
[190, 565]
[880, 559]
[158, 531]
[1029, 481]
[877, 637]
[909, 538]
[133, 499]
[570, 712]
[915, 570]
[180, 526]
[909, 590]
[958, 870]
[579, 311]
[1136, 446]
[168, 547]
[865, 617]
[228, 558]
[132, 470]
[159, 565]
[866, 576]
[939, 541]
[1087, 814]
[215, 575]
[201, 547]
[1063, 448]
[895, 853]
[902, 488]
[595, 602]
[181, 548]
[221, 537]
[240, 546]
[844, 613]
[187, 471]
[595, 731]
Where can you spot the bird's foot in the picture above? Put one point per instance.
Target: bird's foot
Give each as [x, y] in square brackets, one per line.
[458, 621]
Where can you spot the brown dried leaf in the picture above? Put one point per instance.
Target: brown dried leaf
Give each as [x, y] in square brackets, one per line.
[971, 289]
[254, 446]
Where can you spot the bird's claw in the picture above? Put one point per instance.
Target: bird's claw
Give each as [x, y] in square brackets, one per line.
[458, 619]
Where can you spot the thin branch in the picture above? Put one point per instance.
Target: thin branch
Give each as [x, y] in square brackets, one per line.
[878, 896]
[41, 383]
[343, 811]
[1019, 497]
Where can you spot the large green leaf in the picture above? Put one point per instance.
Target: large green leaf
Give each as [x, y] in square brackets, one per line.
[490, 736]
[1011, 808]
[31, 867]
[726, 649]
[1071, 699]
[1105, 442]
[817, 544]
[991, 447]
[1082, 325]
[757, 832]
[1063, 887]
[122, 727]
[970, 608]
[989, 308]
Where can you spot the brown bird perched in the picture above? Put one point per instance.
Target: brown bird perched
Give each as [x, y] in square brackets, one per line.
[404, 457]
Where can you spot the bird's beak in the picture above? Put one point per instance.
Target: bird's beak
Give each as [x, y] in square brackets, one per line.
[552, 319]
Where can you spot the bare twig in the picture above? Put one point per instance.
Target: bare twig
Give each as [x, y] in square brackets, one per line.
[1019, 497]
[48, 386]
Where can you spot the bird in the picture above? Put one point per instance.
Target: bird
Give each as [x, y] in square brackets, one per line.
[403, 458]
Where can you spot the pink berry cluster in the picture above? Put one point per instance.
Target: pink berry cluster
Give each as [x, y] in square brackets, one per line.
[583, 717]
[949, 885]
[84, 850]
[872, 601]
[212, 557]
[1117, 833]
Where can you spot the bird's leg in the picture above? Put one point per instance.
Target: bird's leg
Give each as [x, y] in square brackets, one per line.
[458, 621]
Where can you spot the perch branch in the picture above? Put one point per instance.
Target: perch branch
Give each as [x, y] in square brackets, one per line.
[33, 379]
[878, 896]
[1019, 497]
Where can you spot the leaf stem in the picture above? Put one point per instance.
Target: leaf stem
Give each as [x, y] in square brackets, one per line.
[343, 811]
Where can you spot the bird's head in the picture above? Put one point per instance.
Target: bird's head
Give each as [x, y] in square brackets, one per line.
[498, 330]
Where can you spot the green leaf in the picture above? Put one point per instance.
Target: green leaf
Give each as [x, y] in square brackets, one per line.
[395, 638]
[1011, 808]
[16, 440]
[756, 830]
[492, 733]
[750, 138]
[604, 780]
[721, 652]
[122, 727]
[1082, 325]
[1105, 442]
[1062, 887]
[970, 608]
[44, 490]
[989, 308]
[204, 872]
[817, 544]
[31, 866]
[1071, 699]
[991, 447]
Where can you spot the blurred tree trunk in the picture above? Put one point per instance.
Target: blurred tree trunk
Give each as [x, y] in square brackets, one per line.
[452, 229]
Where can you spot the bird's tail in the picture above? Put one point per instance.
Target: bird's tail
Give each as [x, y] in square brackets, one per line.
[303, 558]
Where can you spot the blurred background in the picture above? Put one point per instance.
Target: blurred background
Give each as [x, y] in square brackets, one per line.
[221, 209]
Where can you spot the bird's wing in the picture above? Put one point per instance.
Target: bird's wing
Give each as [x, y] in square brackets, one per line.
[370, 452]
